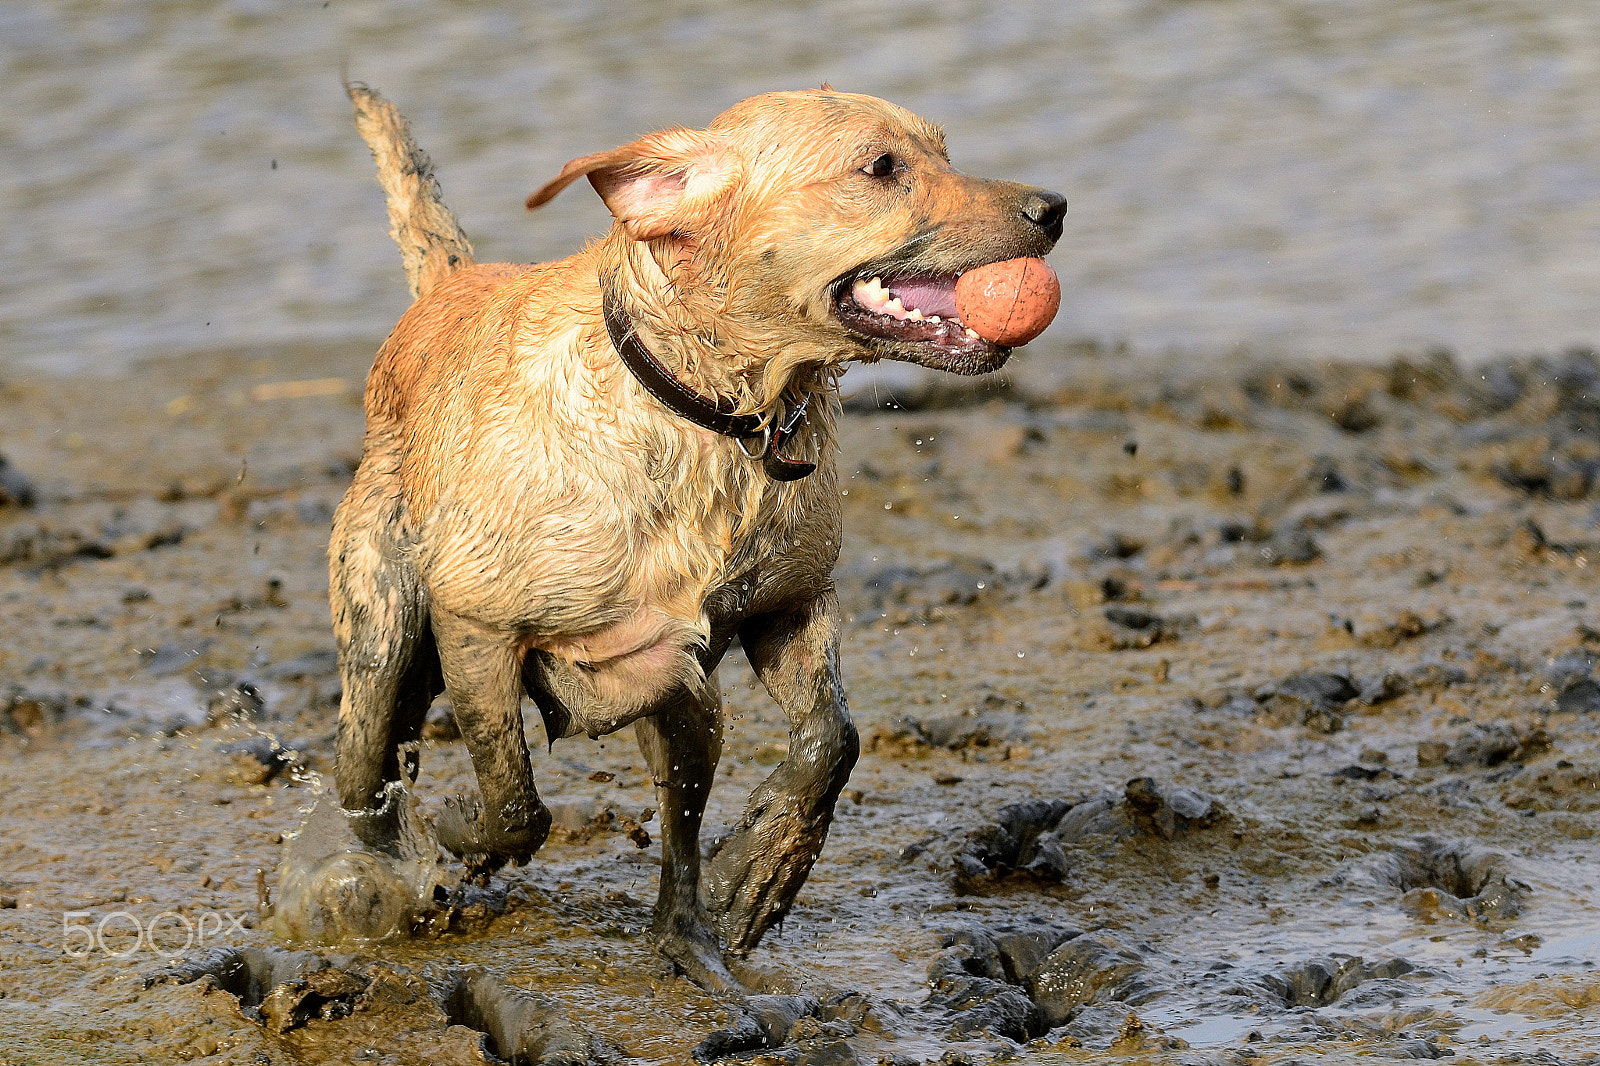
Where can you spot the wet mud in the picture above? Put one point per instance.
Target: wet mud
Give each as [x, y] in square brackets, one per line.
[1213, 712]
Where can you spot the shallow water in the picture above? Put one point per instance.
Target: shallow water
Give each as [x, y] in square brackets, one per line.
[1344, 177]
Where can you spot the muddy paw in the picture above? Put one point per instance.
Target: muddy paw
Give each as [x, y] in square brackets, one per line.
[485, 842]
[753, 876]
[696, 954]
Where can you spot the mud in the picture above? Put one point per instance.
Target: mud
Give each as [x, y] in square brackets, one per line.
[1217, 712]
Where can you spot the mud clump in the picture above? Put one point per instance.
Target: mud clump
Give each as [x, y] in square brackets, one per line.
[1029, 839]
[1323, 700]
[1580, 697]
[240, 701]
[16, 490]
[906, 595]
[32, 715]
[1134, 627]
[1098, 968]
[259, 759]
[1565, 786]
[1317, 701]
[1021, 840]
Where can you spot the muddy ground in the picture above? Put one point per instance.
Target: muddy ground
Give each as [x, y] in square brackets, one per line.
[1214, 712]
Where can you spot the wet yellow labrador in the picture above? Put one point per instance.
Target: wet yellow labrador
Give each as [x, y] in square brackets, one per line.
[582, 480]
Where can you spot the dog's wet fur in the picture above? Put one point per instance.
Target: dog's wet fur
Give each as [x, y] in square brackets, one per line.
[526, 518]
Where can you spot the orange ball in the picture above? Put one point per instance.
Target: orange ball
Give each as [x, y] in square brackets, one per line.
[1008, 303]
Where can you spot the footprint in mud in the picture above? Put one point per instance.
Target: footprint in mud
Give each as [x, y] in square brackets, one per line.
[1023, 980]
[799, 1029]
[1322, 700]
[996, 723]
[1486, 746]
[1348, 980]
[1440, 879]
[281, 989]
[1029, 839]
[285, 990]
[520, 1027]
[1034, 978]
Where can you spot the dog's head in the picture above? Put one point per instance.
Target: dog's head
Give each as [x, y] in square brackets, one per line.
[835, 219]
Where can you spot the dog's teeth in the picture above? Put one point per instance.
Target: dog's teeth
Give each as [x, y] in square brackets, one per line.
[869, 292]
[895, 307]
[973, 334]
[915, 315]
[935, 319]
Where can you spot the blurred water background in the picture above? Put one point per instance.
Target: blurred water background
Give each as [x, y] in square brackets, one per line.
[1297, 177]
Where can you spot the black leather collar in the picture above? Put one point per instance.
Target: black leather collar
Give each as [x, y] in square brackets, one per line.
[679, 398]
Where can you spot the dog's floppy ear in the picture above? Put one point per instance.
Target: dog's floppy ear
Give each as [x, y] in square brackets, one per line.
[660, 184]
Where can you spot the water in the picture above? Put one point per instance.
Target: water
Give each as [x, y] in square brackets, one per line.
[1345, 177]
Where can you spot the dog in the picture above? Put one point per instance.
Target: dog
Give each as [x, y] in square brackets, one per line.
[583, 480]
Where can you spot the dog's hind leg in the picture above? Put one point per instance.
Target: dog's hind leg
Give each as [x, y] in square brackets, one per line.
[387, 660]
[751, 881]
[483, 674]
[682, 743]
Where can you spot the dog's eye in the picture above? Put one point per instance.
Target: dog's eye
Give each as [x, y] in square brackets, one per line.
[881, 167]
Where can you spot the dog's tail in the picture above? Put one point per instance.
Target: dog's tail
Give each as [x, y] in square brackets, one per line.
[430, 238]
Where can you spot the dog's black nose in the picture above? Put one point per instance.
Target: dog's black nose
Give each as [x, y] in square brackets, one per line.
[1044, 209]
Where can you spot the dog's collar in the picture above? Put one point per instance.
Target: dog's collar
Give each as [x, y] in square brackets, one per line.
[679, 398]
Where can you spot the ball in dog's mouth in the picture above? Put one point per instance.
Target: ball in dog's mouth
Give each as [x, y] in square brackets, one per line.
[1008, 303]
[980, 313]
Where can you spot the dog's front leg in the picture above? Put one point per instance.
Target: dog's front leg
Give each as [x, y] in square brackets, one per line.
[682, 743]
[483, 676]
[751, 881]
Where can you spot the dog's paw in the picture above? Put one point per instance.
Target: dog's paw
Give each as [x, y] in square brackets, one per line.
[755, 872]
[693, 950]
[485, 843]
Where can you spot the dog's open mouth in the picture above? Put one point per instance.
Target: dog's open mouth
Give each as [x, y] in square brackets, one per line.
[917, 311]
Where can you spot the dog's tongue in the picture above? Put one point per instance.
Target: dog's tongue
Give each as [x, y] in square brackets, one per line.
[930, 295]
